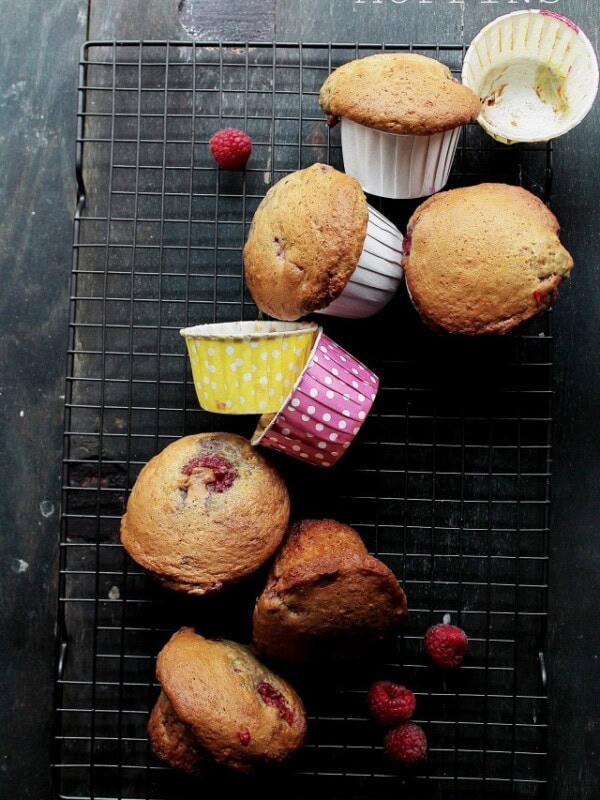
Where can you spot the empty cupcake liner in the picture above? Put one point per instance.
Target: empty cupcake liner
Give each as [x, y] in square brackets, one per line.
[247, 367]
[536, 73]
[397, 166]
[320, 418]
[378, 272]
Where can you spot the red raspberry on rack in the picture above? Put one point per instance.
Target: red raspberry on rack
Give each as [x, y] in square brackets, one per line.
[231, 148]
[446, 645]
[391, 703]
[407, 743]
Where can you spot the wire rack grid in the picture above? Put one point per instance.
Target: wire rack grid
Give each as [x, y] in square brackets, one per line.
[448, 482]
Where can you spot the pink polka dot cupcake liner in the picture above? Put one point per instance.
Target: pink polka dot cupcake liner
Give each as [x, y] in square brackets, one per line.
[325, 410]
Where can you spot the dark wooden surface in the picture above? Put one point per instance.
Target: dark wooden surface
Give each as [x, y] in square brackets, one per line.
[38, 79]
[37, 96]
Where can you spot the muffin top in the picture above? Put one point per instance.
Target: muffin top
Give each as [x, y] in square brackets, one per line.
[483, 259]
[326, 597]
[239, 710]
[204, 512]
[306, 238]
[401, 93]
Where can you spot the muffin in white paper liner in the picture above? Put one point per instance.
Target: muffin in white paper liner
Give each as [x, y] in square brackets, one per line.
[396, 165]
[536, 74]
[325, 410]
[378, 272]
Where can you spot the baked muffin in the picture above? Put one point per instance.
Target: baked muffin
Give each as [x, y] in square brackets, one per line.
[326, 597]
[401, 93]
[314, 245]
[401, 116]
[232, 706]
[173, 741]
[206, 511]
[483, 259]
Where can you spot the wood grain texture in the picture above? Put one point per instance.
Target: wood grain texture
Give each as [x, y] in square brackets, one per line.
[369, 21]
[574, 632]
[228, 19]
[134, 19]
[38, 81]
[202, 20]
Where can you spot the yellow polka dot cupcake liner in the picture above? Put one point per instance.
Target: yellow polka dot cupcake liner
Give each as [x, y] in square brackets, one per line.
[247, 367]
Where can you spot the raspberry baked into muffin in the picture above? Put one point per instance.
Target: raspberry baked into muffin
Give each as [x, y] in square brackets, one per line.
[326, 598]
[206, 511]
[218, 702]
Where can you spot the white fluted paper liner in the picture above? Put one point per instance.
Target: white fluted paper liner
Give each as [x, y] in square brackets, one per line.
[536, 73]
[397, 166]
[377, 275]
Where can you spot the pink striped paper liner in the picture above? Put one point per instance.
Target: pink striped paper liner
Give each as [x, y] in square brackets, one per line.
[325, 410]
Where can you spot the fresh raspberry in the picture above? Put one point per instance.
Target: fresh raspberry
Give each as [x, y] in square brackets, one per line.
[391, 703]
[407, 743]
[231, 148]
[446, 645]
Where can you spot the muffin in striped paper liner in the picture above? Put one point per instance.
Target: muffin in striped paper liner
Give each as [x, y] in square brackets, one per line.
[315, 245]
[377, 275]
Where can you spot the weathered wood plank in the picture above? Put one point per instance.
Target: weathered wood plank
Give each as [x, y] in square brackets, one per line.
[252, 20]
[369, 21]
[574, 633]
[134, 19]
[38, 81]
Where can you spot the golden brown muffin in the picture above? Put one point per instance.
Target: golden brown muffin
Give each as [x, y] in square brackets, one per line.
[306, 238]
[239, 711]
[401, 93]
[206, 511]
[483, 259]
[172, 741]
[326, 597]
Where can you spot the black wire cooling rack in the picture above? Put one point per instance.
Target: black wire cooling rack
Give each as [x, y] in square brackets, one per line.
[448, 482]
